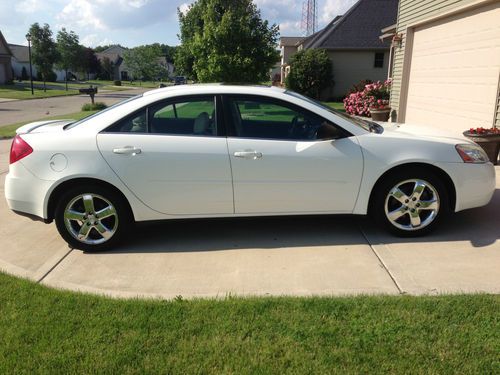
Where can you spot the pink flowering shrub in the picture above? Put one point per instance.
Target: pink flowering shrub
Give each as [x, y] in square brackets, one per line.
[375, 95]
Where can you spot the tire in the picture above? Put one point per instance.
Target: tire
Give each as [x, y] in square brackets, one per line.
[410, 204]
[92, 218]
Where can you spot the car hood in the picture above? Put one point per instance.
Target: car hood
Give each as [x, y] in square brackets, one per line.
[423, 132]
[43, 126]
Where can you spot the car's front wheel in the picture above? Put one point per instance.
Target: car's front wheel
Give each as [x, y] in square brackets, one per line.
[410, 203]
[92, 218]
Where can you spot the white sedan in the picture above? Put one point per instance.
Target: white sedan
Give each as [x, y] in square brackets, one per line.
[227, 151]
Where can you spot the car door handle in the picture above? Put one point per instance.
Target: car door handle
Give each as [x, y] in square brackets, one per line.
[248, 154]
[127, 150]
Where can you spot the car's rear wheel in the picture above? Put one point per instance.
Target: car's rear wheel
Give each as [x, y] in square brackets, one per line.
[92, 218]
[410, 203]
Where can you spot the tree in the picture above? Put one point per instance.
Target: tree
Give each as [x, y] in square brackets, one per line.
[107, 68]
[89, 62]
[144, 62]
[227, 41]
[44, 50]
[310, 72]
[70, 52]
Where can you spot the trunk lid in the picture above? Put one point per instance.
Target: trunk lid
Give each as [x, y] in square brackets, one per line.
[44, 126]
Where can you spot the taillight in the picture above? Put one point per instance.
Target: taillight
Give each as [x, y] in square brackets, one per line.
[19, 149]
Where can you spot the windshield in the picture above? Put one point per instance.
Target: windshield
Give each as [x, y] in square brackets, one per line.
[73, 124]
[369, 126]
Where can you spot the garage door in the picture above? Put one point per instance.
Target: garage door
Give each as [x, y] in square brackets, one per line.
[455, 67]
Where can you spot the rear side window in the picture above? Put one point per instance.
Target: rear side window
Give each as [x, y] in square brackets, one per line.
[135, 123]
[183, 116]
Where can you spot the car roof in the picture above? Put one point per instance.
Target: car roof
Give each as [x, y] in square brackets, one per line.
[215, 88]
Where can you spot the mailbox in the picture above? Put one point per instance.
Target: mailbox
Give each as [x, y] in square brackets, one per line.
[89, 91]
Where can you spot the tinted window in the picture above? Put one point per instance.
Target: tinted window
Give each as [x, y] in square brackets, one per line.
[271, 119]
[135, 123]
[187, 117]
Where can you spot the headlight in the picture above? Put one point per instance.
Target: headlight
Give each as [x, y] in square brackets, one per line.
[472, 153]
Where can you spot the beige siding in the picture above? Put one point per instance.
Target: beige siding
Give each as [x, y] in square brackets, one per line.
[497, 111]
[410, 12]
[350, 67]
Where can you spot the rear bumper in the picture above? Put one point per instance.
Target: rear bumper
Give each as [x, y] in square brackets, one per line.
[25, 193]
[475, 184]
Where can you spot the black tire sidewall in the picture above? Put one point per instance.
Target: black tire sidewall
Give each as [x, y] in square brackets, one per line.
[122, 210]
[388, 182]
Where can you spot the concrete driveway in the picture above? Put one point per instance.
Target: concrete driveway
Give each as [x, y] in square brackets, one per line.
[325, 255]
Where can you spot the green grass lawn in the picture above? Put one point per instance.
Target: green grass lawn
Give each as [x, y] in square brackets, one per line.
[54, 332]
[339, 106]
[24, 92]
[10, 130]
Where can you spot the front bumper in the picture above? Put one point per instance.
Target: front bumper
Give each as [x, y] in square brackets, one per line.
[475, 184]
[25, 193]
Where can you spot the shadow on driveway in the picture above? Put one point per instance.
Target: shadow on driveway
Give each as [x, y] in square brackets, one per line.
[480, 227]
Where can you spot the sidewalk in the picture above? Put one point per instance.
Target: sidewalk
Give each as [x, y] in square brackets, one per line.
[15, 111]
[324, 255]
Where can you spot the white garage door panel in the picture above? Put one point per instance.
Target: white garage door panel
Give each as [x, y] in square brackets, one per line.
[455, 68]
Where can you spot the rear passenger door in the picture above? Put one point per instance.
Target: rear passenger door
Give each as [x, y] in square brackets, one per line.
[173, 156]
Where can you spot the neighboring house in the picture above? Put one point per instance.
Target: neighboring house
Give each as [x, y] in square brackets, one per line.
[288, 48]
[5, 61]
[120, 69]
[353, 44]
[446, 69]
[114, 54]
[21, 59]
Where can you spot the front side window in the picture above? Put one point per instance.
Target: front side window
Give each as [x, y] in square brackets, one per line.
[255, 117]
[184, 117]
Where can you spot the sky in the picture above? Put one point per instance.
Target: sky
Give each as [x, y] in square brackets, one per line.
[137, 22]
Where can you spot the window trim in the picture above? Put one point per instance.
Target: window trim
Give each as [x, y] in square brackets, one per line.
[231, 130]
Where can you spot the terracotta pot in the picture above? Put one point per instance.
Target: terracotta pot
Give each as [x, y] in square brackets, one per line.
[380, 114]
[490, 143]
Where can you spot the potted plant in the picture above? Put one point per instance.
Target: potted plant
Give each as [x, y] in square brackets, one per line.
[488, 139]
[372, 101]
[380, 110]
[379, 106]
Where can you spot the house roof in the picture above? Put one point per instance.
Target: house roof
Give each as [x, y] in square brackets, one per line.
[359, 28]
[20, 53]
[113, 53]
[4, 43]
[288, 41]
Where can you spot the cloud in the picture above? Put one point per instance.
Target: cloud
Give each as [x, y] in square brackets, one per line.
[332, 8]
[184, 7]
[115, 14]
[93, 40]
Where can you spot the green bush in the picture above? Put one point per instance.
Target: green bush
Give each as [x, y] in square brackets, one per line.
[117, 83]
[310, 72]
[97, 106]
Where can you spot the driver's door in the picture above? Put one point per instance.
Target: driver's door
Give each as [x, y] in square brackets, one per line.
[280, 166]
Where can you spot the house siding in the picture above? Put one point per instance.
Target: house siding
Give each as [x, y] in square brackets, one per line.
[411, 12]
[350, 67]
